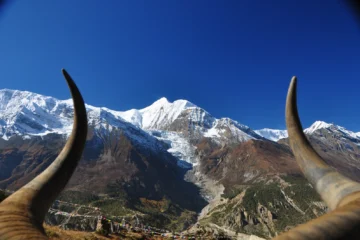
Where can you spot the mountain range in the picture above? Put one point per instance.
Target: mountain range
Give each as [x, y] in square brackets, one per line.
[173, 163]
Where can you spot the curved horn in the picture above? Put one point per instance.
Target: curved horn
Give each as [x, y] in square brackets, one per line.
[341, 194]
[22, 213]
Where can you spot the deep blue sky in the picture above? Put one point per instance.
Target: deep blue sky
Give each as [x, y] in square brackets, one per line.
[233, 58]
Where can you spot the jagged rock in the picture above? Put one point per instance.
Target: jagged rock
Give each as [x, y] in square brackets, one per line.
[265, 214]
[252, 220]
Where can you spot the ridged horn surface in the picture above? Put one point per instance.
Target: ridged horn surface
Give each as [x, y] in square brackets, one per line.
[22, 213]
[340, 193]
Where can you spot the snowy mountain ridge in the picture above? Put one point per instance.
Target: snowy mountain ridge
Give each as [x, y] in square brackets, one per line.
[162, 114]
[30, 114]
[26, 113]
[272, 134]
[275, 134]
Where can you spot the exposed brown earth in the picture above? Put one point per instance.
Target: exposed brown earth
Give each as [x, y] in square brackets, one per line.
[113, 166]
[245, 162]
[338, 151]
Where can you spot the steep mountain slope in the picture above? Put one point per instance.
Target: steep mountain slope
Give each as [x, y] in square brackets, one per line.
[337, 145]
[245, 163]
[265, 193]
[113, 165]
[120, 160]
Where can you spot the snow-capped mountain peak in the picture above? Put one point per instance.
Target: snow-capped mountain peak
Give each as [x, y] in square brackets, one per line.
[317, 125]
[272, 134]
[315, 128]
[159, 114]
[26, 112]
[162, 102]
[14, 100]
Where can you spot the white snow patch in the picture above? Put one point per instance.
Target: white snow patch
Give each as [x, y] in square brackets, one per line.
[160, 113]
[317, 125]
[272, 134]
[212, 132]
[180, 147]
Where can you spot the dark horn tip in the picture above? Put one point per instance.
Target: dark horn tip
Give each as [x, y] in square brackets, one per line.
[66, 75]
[64, 72]
[77, 98]
[70, 81]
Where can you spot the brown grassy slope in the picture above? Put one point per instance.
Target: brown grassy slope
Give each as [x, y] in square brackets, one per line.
[245, 162]
[56, 233]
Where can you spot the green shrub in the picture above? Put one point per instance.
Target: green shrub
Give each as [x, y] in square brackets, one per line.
[112, 207]
[78, 197]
